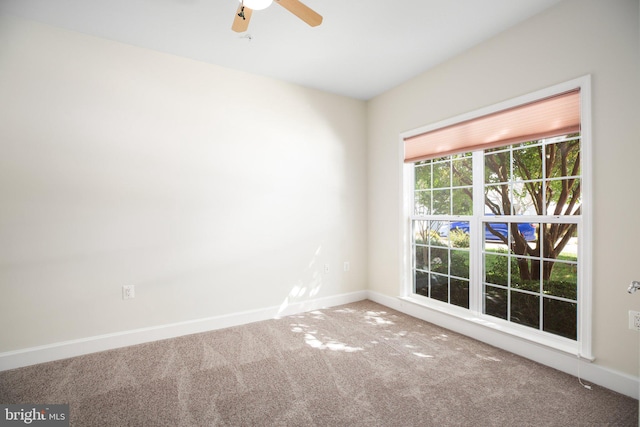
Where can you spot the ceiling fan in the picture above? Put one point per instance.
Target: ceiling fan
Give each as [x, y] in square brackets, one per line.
[246, 8]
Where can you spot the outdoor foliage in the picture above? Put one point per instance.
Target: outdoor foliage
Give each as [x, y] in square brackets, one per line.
[518, 179]
[446, 275]
[459, 239]
[559, 316]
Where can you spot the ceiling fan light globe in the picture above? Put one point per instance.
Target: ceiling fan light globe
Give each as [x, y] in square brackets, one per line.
[257, 4]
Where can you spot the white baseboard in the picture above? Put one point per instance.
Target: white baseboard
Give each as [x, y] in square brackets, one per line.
[79, 347]
[588, 371]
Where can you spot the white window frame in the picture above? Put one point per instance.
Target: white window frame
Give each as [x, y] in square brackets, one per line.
[582, 347]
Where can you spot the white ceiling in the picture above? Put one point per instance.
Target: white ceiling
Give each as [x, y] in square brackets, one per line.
[362, 48]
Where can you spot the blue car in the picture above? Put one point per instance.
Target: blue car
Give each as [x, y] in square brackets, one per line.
[526, 229]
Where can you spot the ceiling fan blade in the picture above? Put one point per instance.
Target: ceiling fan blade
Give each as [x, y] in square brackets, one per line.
[242, 18]
[302, 11]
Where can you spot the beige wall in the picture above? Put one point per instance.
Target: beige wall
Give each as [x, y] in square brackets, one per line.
[573, 39]
[212, 191]
[215, 191]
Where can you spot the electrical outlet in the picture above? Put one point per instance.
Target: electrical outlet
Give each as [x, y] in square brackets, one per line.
[347, 267]
[128, 292]
[326, 269]
[634, 320]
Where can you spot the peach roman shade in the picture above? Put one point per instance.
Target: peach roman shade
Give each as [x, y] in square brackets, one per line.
[544, 118]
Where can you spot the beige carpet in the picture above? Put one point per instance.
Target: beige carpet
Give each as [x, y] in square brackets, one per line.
[361, 364]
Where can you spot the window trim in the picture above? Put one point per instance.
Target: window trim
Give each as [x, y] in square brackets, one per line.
[582, 347]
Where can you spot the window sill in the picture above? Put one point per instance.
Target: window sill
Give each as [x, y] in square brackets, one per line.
[462, 320]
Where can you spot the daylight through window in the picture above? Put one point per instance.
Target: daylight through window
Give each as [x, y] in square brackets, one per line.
[496, 229]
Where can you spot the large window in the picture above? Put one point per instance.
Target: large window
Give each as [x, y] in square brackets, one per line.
[497, 229]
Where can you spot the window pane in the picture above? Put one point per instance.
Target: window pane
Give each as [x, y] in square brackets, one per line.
[460, 264]
[563, 159]
[497, 167]
[496, 232]
[496, 197]
[460, 293]
[460, 226]
[496, 269]
[561, 279]
[421, 232]
[459, 239]
[439, 261]
[442, 202]
[527, 163]
[526, 274]
[422, 177]
[495, 302]
[462, 172]
[422, 257]
[436, 239]
[422, 200]
[421, 285]
[462, 201]
[525, 309]
[524, 196]
[443, 228]
[563, 196]
[570, 250]
[560, 318]
[442, 174]
[554, 234]
[439, 287]
[459, 234]
[529, 231]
